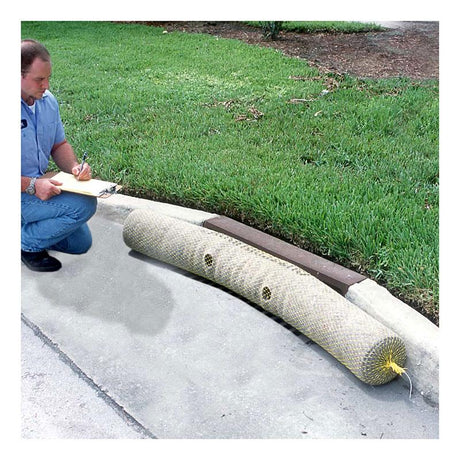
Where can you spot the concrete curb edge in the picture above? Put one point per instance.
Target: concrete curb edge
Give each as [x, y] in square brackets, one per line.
[420, 335]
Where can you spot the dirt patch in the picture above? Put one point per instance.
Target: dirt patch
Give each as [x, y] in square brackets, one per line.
[403, 49]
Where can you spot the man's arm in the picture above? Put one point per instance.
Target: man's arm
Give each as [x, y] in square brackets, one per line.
[44, 188]
[65, 159]
[25, 181]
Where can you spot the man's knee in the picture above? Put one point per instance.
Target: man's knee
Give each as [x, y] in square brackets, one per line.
[92, 206]
[85, 207]
[79, 242]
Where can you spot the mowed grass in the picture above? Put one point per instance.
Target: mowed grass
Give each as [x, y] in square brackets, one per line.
[346, 168]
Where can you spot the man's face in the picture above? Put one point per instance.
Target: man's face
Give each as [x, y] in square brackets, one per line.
[36, 80]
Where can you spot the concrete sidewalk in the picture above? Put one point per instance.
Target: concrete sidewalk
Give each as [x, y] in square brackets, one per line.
[146, 350]
[59, 401]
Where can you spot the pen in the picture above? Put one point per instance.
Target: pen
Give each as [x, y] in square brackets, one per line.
[82, 163]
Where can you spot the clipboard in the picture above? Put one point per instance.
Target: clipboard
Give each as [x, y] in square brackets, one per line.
[92, 187]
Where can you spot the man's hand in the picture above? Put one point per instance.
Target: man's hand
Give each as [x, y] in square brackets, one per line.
[66, 161]
[46, 188]
[82, 174]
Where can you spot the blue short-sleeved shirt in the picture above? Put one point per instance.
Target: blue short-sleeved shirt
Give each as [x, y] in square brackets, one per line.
[40, 132]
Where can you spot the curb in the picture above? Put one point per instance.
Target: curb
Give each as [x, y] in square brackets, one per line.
[117, 207]
[420, 335]
[337, 277]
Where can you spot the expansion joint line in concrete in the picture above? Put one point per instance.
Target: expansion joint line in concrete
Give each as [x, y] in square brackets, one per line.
[120, 411]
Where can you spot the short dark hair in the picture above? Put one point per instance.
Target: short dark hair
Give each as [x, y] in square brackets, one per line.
[30, 50]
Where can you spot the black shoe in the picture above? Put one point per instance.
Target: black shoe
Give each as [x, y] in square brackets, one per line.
[40, 261]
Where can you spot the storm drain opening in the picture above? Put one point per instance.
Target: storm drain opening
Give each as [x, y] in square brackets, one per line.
[208, 260]
[266, 293]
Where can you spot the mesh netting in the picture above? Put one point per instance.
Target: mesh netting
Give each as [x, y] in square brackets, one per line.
[367, 348]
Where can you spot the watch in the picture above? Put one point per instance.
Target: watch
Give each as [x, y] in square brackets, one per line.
[31, 187]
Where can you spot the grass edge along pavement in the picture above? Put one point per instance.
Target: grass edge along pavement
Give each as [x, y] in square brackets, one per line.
[248, 133]
[421, 337]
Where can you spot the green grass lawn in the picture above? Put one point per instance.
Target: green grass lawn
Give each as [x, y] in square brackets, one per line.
[344, 167]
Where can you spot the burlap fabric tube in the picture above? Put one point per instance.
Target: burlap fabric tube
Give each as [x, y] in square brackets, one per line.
[368, 349]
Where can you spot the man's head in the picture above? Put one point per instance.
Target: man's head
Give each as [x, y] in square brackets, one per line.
[35, 70]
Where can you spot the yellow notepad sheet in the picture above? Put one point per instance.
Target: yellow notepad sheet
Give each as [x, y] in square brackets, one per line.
[93, 187]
